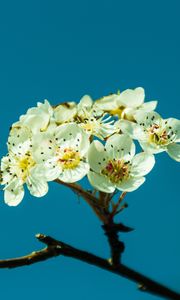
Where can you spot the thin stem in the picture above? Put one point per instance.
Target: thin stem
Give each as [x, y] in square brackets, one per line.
[54, 248]
[116, 206]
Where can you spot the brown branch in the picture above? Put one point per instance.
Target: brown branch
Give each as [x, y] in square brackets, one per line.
[55, 248]
[112, 229]
[116, 246]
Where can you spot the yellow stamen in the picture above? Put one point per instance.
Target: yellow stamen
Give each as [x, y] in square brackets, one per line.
[158, 135]
[25, 164]
[116, 170]
[69, 159]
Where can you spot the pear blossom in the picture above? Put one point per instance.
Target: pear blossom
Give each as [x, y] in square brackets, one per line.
[63, 152]
[19, 167]
[37, 118]
[93, 120]
[115, 165]
[154, 134]
[126, 104]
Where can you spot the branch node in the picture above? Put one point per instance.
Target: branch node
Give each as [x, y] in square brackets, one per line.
[39, 236]
[58, 247]
[142, 287]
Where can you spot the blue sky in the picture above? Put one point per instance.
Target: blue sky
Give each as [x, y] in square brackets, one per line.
[61, 50]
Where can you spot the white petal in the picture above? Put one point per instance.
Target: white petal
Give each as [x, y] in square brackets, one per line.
[172, 127]
[148, 106]
[48, 170]
[65, 112]
[120, 145]
[37, 118]
[37, 187]
[147, 119]
[174, 151]
[85, 103]
[107, 103]
[41, 107]
[13, 193]
[129, 113]
[84, 108]
[4, 163]
[142, 164]
[9, 169]
[72, 135]
[46, 107]
[76, 174]
[135, 131]
[19, 134]
[151, 148]
[101, 183]
[6, 177]
[131, 184]
[131, 98]
[51, 173]
[19, 140]
[36, 183]
[44, 146]
[36, 122]
[97, 156]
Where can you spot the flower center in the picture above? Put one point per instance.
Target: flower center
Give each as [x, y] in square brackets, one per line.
[88, 127]
[24, 164]
[158, 135]
[69, 159]
[116, 170]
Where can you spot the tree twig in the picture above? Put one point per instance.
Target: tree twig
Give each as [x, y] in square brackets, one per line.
[116, 246]
[54, 248]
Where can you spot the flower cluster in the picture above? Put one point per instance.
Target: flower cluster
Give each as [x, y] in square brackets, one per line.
[92, 138]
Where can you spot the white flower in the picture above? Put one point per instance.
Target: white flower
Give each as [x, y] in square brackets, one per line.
[65, 112]
[115, 166]
[62, 152]
[154, 134]
[37, 118]
[19, 167]
[93, 120]
[126, 104]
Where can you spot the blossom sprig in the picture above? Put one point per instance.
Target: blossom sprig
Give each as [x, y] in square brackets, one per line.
[92, 139]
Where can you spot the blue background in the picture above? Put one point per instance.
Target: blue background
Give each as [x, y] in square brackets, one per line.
[61, 50]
